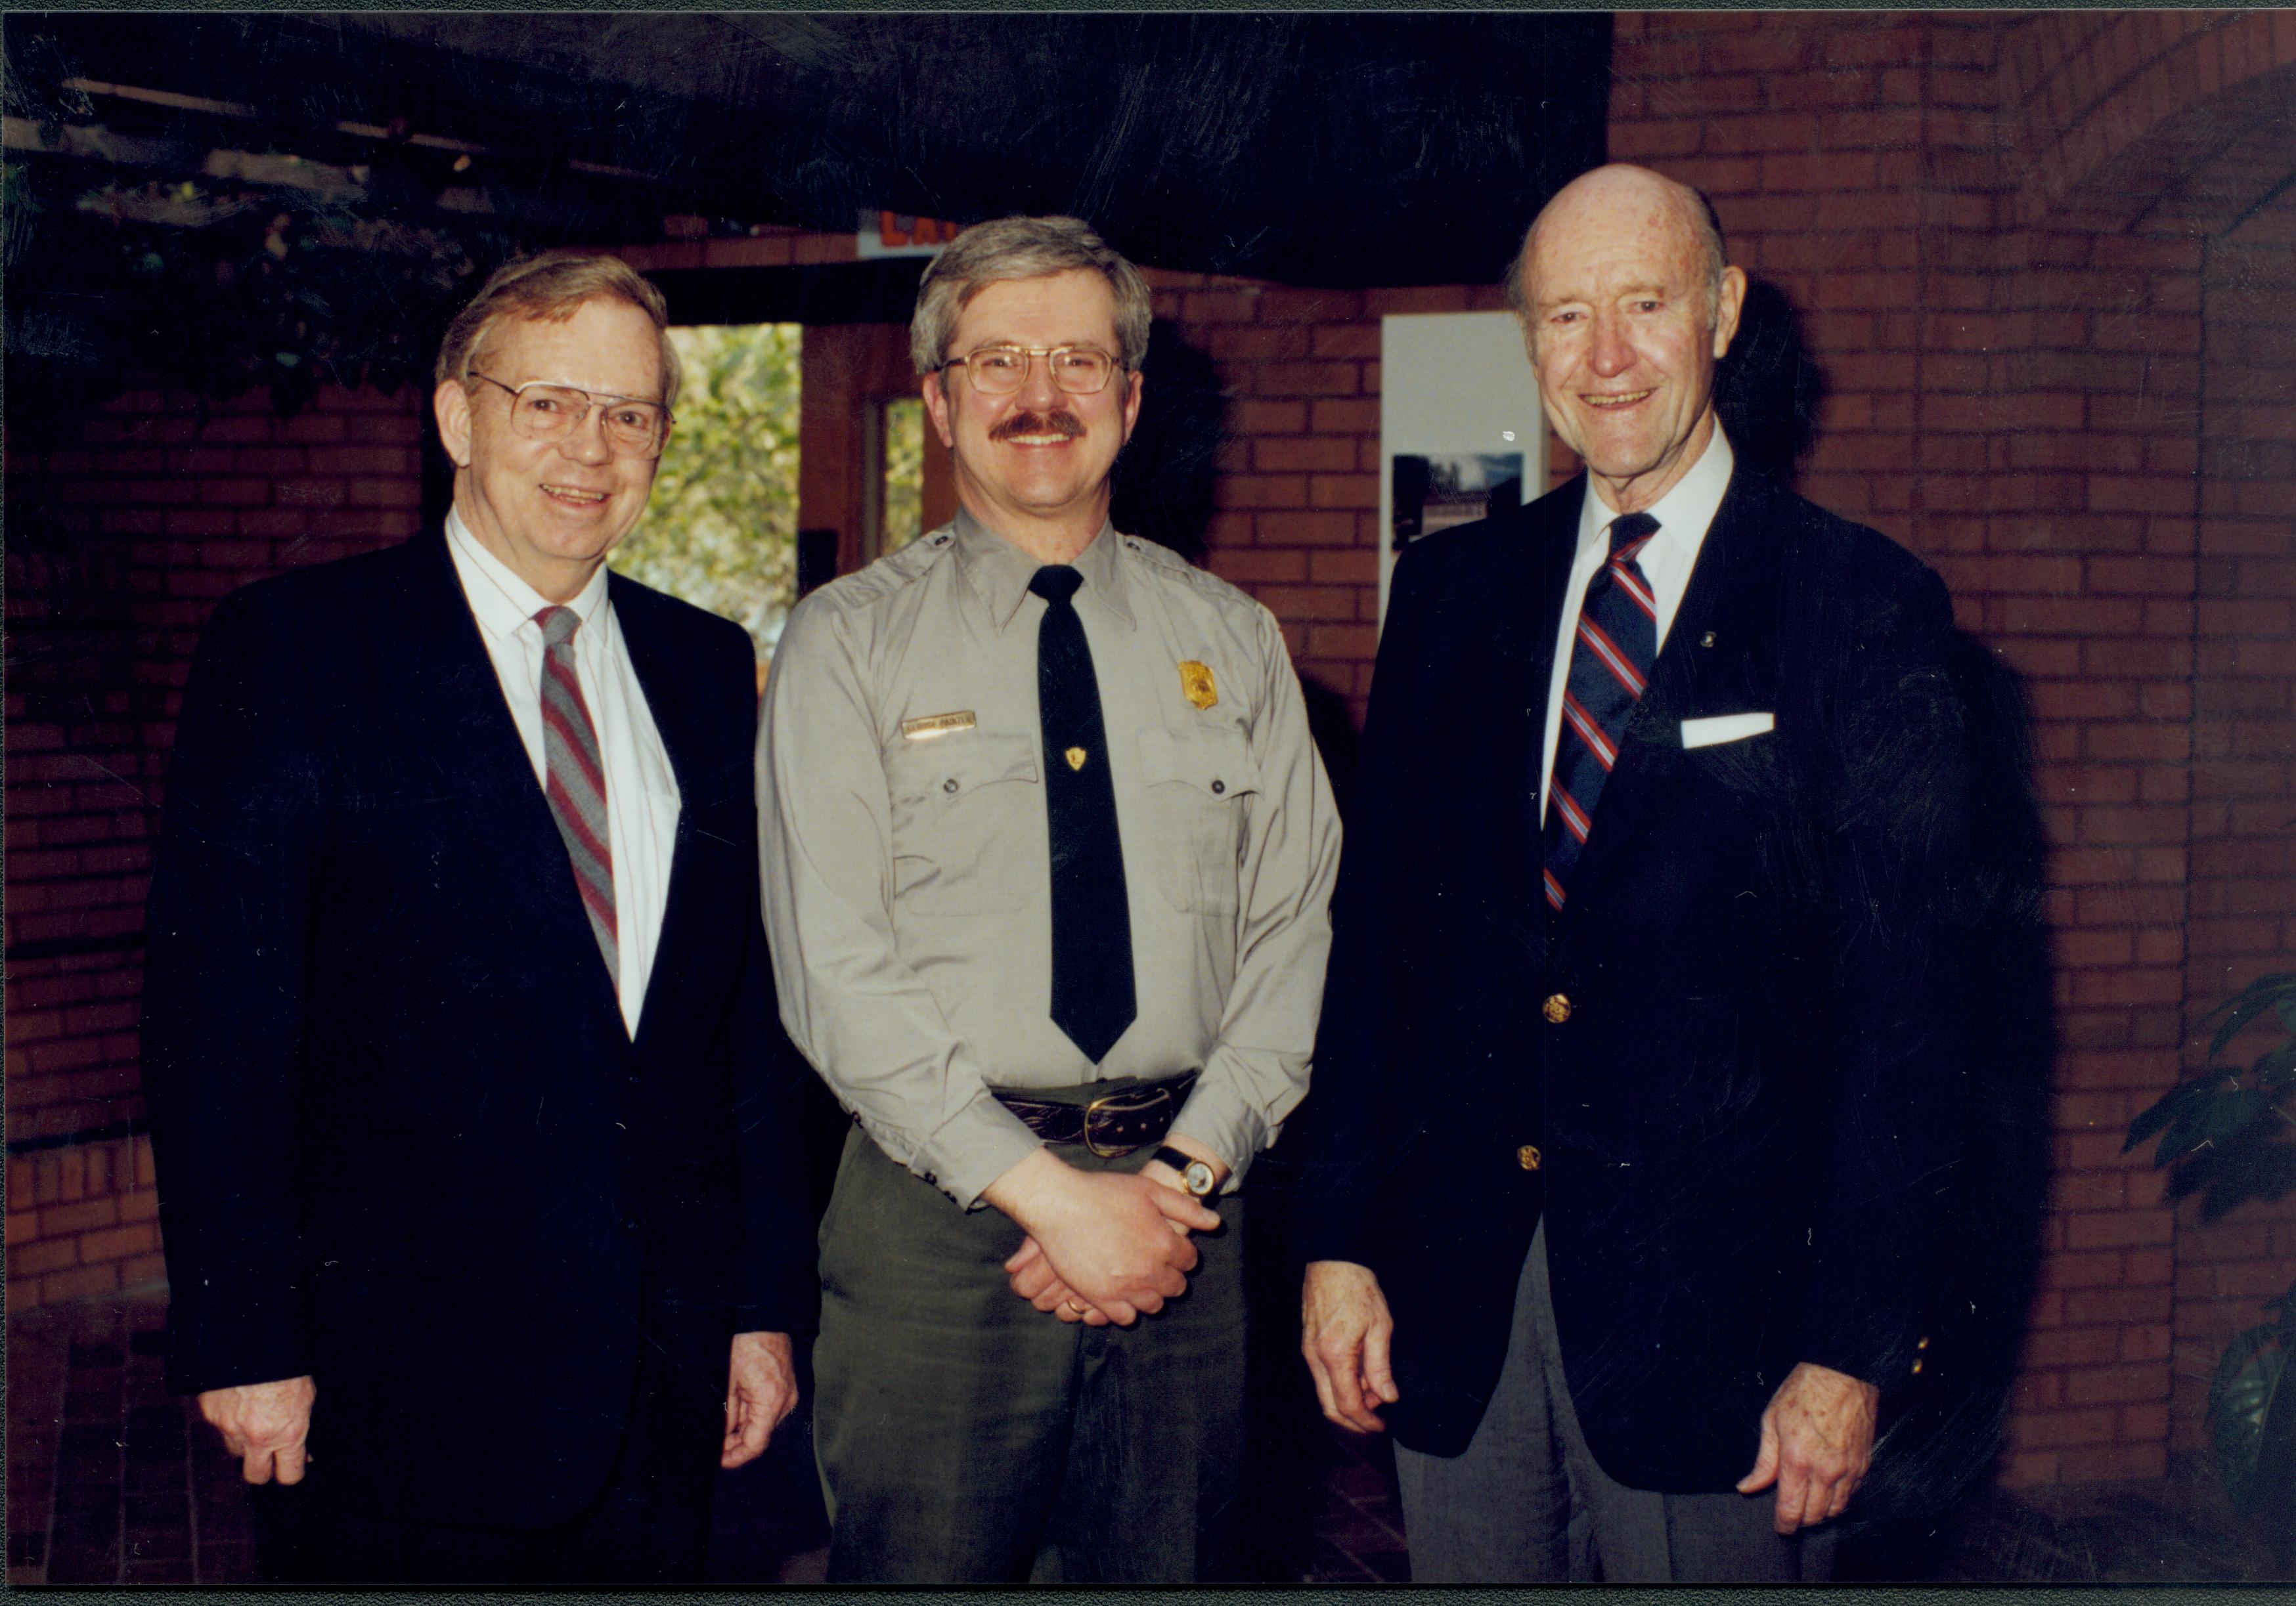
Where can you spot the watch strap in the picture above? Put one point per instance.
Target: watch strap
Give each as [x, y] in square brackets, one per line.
[1179, 1160]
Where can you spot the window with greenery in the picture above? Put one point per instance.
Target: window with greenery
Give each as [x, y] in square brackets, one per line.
[721, 529]
[905, 472]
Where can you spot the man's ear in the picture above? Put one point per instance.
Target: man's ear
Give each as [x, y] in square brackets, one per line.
[937, 409]
[1727, 308]
[1132, 405]
[450, 403]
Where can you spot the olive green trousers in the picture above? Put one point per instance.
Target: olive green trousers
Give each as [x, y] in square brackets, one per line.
[964, 1437]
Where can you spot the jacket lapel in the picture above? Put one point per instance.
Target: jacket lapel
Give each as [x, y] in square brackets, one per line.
[455, 710]
[1526, 598]
[1650, 754]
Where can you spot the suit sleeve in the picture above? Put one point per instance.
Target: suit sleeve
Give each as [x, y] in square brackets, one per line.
[223, 1020]
[781, 1131]
[1336, 1149]
[1897, 833]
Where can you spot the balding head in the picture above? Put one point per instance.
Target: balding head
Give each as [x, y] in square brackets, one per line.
[1612, 194]
[1627, 306]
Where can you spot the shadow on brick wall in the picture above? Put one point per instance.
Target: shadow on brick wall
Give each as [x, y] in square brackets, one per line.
[1935, 1462]
[1164, 480]
[1769, 388]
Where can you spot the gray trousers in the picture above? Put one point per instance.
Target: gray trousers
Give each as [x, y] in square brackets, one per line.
[964, 1437]
[1527, 1503]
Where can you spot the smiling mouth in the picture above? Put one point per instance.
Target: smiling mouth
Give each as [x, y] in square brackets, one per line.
[1604, 404]
[574, 494]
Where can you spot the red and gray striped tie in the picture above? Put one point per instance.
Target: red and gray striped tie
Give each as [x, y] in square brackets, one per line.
[576, 780]
[1610, 657]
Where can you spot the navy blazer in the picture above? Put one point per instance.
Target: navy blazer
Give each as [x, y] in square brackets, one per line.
[405, 1143]
[1745, 1123]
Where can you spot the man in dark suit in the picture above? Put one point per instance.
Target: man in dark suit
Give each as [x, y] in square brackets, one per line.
[473, 1123]
[1636, 1086]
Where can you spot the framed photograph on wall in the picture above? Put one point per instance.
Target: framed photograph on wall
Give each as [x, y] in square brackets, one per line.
[1461, 434]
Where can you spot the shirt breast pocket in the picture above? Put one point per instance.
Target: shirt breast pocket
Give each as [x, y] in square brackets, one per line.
[968, 824]
[1196, 785]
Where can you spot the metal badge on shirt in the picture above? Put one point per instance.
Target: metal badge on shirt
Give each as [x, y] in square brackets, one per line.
[1196, 683]
[936, 725]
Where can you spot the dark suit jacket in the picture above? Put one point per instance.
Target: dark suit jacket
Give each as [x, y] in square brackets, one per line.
[405, 1141]
[1747, 1121]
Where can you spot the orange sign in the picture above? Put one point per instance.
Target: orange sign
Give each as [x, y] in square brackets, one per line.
[903, 235]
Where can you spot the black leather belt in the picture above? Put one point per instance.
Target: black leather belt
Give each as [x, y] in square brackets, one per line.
[1108, 1117]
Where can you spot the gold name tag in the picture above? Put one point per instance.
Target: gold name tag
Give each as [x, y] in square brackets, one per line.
[936, 725]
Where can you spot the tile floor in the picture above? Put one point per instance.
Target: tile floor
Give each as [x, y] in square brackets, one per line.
[112, 1480]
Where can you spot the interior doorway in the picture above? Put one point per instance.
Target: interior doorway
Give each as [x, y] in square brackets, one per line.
[871, 477]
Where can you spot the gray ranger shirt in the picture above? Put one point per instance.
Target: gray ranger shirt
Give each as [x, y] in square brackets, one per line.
[901, 811]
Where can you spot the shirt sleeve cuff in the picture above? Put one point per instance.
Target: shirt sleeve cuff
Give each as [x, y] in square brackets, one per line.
[1218, 1115]
[974, 1147]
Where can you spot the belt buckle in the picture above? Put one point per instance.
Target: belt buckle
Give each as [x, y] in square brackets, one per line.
[1131, 1101]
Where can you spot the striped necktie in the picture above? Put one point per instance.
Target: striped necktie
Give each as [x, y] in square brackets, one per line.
[1610, 660]
[575, 780]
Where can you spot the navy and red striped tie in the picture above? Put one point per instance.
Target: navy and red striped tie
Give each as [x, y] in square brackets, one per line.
[1611, 659]
[575, 780]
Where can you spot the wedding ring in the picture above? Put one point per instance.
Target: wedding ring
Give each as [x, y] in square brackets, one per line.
[1076, 1307]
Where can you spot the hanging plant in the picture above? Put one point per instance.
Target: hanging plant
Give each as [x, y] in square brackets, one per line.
[221, 285]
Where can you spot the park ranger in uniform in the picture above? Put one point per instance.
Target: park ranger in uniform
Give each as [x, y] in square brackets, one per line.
[1049, 854]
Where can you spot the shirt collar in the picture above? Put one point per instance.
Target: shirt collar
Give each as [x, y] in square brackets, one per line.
[1684, 511]
[999, 572]
[501, 599]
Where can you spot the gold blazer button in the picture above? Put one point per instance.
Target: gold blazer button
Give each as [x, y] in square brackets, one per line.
[1527, 1157]
[1556, 1009]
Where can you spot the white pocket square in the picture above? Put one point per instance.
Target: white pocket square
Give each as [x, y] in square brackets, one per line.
[1725, 727]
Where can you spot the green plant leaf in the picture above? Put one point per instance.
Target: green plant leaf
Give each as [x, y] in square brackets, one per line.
[2253, 1164]
[2275, 1068]
[2266, 992]
[2166, 1109]
[2241, 1398]
[2223, 1111]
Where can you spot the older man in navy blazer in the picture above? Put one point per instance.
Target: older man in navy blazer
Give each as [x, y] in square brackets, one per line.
[1633, 1116]
[476, 1132]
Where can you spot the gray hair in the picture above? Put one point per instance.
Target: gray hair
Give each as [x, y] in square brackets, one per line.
[551, 288]
[1023, 248]
[1704, 220]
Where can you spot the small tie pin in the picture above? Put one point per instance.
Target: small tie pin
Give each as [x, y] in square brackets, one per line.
[1075, 758]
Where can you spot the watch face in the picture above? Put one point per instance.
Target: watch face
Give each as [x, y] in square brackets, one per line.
[1199, 1178]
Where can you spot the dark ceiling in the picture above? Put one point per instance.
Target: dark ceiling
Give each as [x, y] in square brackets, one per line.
[1323, 150]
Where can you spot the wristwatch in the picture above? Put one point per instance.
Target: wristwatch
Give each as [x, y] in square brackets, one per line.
[1195, 1176]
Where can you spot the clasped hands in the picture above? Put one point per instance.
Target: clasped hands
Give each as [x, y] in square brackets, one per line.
[1101, 1246]
[1816, 1434]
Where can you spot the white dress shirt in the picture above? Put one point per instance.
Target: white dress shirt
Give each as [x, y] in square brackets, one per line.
[642, 797]
[1683, 515]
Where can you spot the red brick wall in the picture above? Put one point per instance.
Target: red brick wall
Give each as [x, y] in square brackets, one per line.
[2244, 877]
[1297, 498]
[118, 546]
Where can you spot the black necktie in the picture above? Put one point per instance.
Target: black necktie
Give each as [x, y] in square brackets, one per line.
[1611, 659]
[1091, 920]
